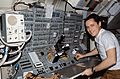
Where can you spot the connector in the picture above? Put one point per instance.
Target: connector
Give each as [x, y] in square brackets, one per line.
[16, 66]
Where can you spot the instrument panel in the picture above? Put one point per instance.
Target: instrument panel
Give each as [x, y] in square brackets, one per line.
[53, 43]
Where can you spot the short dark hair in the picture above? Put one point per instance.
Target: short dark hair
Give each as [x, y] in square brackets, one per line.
[93, 16]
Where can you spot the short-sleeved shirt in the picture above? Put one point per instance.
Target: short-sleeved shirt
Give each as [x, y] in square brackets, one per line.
[106, 40]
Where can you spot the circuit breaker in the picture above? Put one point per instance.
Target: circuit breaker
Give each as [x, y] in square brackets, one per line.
[13, 28]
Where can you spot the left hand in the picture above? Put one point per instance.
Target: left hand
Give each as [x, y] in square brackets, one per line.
[87, 72]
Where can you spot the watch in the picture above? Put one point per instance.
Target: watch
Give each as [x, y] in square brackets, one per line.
[93, 69]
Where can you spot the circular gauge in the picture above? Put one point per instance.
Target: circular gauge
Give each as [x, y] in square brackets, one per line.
[12, 20]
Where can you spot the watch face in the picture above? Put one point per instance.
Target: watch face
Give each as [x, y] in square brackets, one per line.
[93, 69]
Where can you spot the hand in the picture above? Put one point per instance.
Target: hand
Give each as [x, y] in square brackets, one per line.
[78, 56]
[87, 72]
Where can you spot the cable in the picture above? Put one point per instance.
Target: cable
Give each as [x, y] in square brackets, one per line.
[29, 36]
[2, 46]
[19, 48]
[19, 55]
[15, 72]
[29, 5]
[64, 16]
[75, 7]
[14, 60]
[5, 56]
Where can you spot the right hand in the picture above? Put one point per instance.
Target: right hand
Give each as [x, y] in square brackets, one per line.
[78, 56]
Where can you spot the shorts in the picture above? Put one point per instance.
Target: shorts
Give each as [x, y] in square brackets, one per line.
[111, 74]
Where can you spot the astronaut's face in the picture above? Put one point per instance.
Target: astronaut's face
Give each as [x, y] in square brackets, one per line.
[93, 27]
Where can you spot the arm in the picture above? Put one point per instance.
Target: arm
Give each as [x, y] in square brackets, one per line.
[91, 53]
[108, 62]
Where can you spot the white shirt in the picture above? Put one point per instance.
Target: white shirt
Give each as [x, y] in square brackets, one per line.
[106, 40]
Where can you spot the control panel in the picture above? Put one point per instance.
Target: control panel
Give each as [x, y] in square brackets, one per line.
[53, 44]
